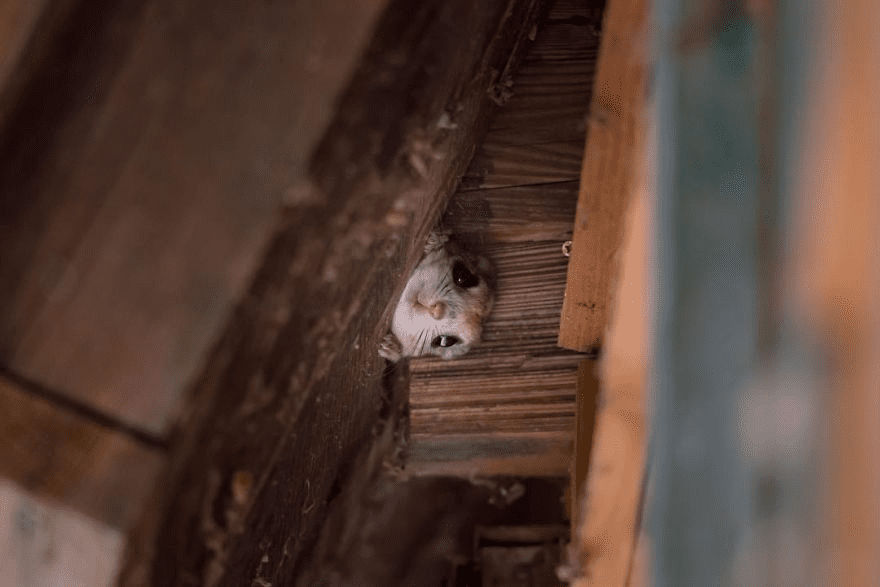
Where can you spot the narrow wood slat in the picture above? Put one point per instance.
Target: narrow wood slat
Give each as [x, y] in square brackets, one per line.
[62, 456]
[585, 418]
[497, 164]
[449, 420]
[491, 388]
[476, 423]
[467, 455]
[612, 418]
[517, 214]
[607, 177]
[554, 84]
[153, 197]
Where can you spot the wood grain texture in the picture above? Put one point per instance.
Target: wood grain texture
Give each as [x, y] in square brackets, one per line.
[133, 225]
[503, 165]
[586, 404]
[44, 545]
[556, 80]
[63, 456]
[293, 389]
[608, 507]
[607, 176]
[507, 407]
[514, 214]
[475, 455]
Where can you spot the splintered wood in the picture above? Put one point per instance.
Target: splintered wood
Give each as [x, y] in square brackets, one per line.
[607, 175]
[507, 408]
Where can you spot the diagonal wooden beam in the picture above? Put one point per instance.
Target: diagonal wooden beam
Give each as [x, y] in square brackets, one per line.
[293, 388]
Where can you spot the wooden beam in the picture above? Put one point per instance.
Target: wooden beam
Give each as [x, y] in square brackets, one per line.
[612, 424]
[140, 182]
[61, 455]
[293, 388]
[613, 131]
[507, 407]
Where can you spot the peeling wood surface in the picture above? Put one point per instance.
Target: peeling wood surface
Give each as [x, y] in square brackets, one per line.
[66, 457]
[507, 407]
[293, 389]
[607, 175]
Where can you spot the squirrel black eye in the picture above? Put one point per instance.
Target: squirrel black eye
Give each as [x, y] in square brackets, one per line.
[462, 277]
[445, 341]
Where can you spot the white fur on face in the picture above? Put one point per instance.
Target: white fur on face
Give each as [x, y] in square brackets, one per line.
[432, 306]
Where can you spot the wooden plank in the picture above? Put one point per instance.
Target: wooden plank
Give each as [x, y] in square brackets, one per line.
[481, 413]
[57, 454]
[517, 454]
[584, 423]
[553, 85]
[498, 165]
[607, 175]
[514, 215]
[44, 545]
[293, 389]
[133, 225]
[516, 205]
[608, 506]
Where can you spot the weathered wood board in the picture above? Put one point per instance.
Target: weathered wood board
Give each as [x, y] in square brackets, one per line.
[608, 504]
[607, 175]
[507, 408]
[67, 457]
[140, 183]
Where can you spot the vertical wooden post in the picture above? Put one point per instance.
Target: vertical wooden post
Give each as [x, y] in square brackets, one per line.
[608, 511]
[613, 133]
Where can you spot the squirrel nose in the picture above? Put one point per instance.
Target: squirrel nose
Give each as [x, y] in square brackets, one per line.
[438, 310]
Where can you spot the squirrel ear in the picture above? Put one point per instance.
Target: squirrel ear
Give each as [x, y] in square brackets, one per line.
[436, 241]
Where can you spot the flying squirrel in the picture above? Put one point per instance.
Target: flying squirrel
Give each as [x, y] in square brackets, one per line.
[444, 304]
